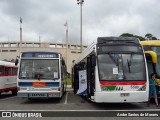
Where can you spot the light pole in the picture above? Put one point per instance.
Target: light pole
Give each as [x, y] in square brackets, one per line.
[80, 2]
[66, 25]
[20, 37]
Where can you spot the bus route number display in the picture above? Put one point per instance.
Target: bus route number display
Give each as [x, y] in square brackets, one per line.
[46, 56]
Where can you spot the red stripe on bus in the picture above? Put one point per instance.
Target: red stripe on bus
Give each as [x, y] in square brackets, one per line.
[8, 89]
[123, 83]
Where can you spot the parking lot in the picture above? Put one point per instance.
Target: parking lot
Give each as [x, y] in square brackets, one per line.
[69, 101]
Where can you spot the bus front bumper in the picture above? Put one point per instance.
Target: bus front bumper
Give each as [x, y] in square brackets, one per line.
[35, 94]
[115, 97]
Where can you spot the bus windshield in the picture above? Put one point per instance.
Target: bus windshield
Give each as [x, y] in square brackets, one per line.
[113, 66]
[39, 69]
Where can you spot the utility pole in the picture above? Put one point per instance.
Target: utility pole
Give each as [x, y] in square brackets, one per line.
[80, 2]
[66, 25]
[20, 36]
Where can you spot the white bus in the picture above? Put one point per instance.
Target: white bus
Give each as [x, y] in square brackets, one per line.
[8, 77]
[112, 70]
[41, 75]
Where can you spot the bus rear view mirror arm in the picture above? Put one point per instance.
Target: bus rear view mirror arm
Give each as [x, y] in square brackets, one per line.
[16, 62]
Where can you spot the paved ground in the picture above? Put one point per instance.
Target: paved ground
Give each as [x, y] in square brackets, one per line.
[70, 102]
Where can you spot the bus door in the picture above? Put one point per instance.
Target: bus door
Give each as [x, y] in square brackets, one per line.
[90, 76]
[76, 78]
[150, 64]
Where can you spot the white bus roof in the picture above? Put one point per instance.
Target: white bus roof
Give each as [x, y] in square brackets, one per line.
[87, 51]
[9, 64]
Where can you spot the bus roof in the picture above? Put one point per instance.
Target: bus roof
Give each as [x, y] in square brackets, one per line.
[40, 52]
[151, 43]
[86, 52]
[102, 40]
[9, 64]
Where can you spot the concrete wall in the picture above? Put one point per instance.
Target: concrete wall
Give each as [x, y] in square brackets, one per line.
[10, 50]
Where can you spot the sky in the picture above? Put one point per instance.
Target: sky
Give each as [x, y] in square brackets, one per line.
[44, 19]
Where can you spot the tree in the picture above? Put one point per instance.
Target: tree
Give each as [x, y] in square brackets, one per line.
[149, 36]
[131, 35]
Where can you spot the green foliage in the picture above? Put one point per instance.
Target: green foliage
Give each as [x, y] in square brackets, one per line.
[69, 81]
[149, 36]
[131, 35]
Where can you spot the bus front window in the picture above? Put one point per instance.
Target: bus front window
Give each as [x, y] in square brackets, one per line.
[38, 69]
[121, 67]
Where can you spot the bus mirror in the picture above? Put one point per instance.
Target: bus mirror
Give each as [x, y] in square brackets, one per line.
[93, 60]
[63, 63]
[73, 61]
[16, 62]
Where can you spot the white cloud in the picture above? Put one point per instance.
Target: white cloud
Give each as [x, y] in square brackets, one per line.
[46, 18]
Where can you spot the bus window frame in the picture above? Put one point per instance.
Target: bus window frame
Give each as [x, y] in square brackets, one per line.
[58, 59]
[120, 52]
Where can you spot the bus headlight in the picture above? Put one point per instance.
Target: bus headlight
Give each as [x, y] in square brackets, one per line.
[55, 88]
[30, 88]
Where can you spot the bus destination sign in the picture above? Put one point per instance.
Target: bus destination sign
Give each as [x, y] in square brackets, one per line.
[39, 55]
[46, 56]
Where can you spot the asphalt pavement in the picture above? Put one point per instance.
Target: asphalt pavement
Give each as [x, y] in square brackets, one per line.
[74, 104]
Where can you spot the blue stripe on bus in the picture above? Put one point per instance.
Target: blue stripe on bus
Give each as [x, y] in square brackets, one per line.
[55, 84]
[24, 83]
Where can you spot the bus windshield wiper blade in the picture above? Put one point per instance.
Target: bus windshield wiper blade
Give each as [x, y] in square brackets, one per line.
[129, 68]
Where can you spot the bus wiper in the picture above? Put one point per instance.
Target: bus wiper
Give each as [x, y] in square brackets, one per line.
[129, 68]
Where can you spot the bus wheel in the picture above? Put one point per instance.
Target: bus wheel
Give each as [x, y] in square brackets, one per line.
[65, 88]
[89, 99]
[30, 99]
[63, 91]
[14, 92]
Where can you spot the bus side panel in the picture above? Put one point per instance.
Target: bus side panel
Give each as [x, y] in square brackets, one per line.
[8, 83]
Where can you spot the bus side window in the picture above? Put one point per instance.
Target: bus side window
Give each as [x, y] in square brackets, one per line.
[1, 70]
[14, 71]
[10, 70]
[7, 71]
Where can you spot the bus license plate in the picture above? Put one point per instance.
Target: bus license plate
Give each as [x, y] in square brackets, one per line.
[37, 95]
[124, 94]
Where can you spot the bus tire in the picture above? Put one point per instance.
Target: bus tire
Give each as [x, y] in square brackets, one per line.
[65, 89]
[14, 92]
[29, 99]
[88, 99]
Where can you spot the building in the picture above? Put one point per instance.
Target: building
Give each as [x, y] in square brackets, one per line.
[10, 50]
